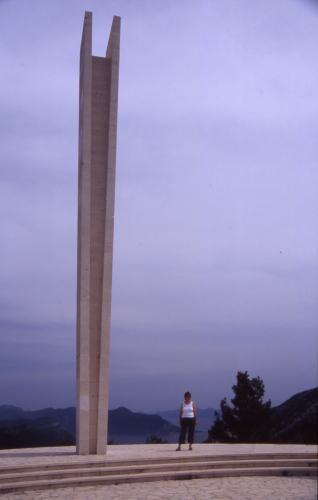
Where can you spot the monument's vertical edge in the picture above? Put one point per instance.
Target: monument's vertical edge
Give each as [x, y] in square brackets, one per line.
[112, 55]
[83, 242]
[96, 197]
[99, 148]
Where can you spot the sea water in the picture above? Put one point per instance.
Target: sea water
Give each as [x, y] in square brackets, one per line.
[201, 434]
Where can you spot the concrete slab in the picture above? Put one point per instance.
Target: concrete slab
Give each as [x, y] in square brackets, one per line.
[258, 488]
[68, 454]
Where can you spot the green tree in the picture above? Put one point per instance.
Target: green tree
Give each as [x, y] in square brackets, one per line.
[153, 439]
[249, 420]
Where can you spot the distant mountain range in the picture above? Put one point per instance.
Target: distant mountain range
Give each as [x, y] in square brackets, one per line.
[13, 415]
[38, 432]
[49, 427]
[29, 429]
[295, 422]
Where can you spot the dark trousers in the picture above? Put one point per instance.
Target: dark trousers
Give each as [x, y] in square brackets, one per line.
[187, 423]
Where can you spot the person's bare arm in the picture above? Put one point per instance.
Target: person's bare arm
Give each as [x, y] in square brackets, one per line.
[180, 415]
[195, 415]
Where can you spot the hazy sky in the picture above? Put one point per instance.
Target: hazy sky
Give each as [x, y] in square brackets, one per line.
[215, 251]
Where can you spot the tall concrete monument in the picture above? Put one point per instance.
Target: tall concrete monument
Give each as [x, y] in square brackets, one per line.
[98, 104]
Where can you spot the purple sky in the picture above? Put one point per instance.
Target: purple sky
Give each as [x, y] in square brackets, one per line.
[215, 252]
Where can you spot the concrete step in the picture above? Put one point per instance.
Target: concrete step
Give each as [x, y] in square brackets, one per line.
[37, 475]
[22, 478]
[156, 476]
[167, 460]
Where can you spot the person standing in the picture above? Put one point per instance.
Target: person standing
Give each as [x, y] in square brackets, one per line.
[188, 420]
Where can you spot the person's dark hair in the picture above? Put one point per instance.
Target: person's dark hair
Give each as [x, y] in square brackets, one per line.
[187, 394]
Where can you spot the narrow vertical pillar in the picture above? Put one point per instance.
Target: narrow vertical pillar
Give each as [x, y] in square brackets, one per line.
[96, 198]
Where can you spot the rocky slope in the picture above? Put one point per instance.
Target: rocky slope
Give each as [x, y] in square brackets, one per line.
[295, 421]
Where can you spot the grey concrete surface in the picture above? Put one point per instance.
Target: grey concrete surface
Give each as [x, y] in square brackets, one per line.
[240, 488]
[143, 451]
[246, 488]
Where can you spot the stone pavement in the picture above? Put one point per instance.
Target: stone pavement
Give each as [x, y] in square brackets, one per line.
[236, 488]
[135, 451]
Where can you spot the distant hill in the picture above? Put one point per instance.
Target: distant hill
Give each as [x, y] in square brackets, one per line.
[8, 412]
[295, 421]
[49, 427]
[39, 432]
[65, 417]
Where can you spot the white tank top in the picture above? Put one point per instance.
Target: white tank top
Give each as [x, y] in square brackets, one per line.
[187, 410]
